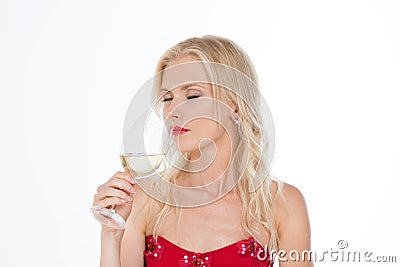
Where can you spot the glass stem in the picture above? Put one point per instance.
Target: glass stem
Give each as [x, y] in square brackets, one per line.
[112, 208]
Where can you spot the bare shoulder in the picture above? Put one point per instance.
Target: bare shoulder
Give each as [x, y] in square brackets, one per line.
[288, 200]
[133, 242]
[292, 221]
[143, 207]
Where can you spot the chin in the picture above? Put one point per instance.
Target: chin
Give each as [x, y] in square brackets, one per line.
[185, 148]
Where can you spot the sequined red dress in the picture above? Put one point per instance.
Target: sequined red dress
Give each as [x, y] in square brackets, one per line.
[244, 253]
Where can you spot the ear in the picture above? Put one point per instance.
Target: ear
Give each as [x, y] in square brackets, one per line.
[235, 114]
[232, 104]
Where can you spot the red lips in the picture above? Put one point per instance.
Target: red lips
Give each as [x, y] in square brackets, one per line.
[179, 130]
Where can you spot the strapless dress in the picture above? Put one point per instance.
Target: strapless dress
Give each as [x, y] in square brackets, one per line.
[244, 253]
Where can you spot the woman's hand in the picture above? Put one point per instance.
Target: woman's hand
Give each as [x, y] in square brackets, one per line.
[119, 191]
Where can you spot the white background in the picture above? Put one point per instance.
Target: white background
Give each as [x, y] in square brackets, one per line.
[329, 71]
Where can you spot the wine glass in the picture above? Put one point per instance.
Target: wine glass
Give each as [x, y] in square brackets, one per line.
[141, 155]
[140, 165]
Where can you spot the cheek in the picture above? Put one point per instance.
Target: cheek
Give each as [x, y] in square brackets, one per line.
[207, 128]
[198, 108]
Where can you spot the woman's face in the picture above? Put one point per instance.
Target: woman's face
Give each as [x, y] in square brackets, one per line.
[189, 107]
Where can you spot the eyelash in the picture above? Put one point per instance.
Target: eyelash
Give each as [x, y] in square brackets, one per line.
[189, 97]
[166, 99]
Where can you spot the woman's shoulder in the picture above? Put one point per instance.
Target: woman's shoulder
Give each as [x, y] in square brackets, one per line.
[285, 192]
[143, 207]
[288, 201]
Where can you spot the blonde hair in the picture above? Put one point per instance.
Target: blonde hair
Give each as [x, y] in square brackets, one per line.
[257, 215]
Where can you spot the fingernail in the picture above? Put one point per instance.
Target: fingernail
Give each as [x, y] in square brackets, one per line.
[133, 190]
[122, 200]
[133, 180]
[128, 198]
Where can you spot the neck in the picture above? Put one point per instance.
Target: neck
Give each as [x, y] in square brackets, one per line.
[207, 165]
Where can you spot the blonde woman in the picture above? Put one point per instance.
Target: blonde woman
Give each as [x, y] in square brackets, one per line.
[239, 227]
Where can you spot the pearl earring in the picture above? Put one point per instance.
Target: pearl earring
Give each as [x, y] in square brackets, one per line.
[236, 119]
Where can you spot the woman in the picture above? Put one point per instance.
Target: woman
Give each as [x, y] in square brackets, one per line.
[240, 227]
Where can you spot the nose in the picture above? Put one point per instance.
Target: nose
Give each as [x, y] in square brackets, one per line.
[172, 109]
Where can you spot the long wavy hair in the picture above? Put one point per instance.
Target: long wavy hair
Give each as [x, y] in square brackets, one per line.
[257, 205]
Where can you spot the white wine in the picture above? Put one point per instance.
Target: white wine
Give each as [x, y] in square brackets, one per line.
[141, 164]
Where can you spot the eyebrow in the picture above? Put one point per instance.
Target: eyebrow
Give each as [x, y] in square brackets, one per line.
[186, 86]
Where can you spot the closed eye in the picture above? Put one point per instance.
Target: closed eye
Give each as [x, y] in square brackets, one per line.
[165, 99]
[193, 96]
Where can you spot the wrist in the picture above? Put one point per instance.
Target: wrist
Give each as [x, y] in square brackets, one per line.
[107, 233]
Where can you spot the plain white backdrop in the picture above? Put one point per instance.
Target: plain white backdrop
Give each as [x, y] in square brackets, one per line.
[329, 70]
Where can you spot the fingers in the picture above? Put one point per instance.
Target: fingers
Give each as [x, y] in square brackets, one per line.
[112, 192]
[115, 191]
[107, 202]
[121, 180]
[122, 185]
[125, 176]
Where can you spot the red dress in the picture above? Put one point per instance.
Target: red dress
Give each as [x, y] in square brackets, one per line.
[244, 253]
